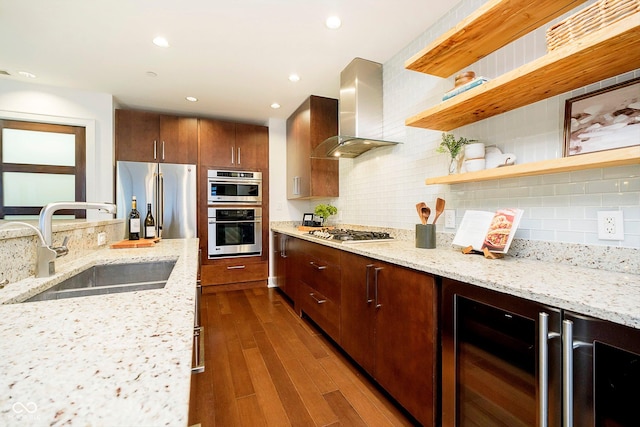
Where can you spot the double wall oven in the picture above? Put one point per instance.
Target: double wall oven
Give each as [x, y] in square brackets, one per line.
[234, 213]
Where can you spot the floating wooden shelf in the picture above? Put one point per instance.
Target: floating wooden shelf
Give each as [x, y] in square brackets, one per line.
[484, 32]
[601, 159]
[600, 55]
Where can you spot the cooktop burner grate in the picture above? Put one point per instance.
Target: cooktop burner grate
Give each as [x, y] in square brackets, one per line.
[351, 236]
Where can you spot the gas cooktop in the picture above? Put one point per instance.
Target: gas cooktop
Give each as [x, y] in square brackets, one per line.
[351, 236]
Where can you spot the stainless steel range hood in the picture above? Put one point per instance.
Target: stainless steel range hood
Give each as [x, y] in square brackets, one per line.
[360, 114]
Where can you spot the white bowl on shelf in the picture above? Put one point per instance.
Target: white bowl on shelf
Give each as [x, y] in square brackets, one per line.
[474, 151]
[473, 165]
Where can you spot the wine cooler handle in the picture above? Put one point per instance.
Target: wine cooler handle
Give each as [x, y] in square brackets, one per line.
[567, 373]
[369, 300]
[543, 367]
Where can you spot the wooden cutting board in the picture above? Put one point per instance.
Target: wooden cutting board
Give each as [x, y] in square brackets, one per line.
[142, 243]
[306, 228]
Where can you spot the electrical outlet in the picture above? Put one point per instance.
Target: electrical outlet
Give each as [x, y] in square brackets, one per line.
[449, 218]
[610, 225]
[102, 239]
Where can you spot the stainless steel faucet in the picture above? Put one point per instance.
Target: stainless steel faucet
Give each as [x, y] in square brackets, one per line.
[47, 254]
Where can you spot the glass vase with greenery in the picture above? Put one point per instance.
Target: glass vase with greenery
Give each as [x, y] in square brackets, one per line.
[453, 147]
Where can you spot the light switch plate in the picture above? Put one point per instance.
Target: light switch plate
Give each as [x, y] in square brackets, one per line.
[102, 238]
[449, 218]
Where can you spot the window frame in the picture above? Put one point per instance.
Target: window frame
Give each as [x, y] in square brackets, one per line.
[79, 170]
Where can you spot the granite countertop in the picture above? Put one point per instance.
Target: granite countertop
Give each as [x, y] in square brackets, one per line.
[599, 293]
[116, 360]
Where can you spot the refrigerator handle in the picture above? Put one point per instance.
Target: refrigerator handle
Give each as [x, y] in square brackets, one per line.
[160, 205]
[543, 367]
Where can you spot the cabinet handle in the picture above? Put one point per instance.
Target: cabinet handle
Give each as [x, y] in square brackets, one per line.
[235, 267]
[316, 266]
[232, 155]
[319, 301]
[375, 281]
[368, 298]
[238, 156]
[162, 150]
[155, 150]
[283, 248]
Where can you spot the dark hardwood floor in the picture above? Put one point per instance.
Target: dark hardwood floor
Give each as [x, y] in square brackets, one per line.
[267, 367]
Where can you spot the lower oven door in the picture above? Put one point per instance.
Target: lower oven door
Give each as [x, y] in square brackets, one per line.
[234, 238]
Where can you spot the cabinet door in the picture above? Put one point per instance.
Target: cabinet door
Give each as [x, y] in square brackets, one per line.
[315, 120]
[252, 147]
[178, 140]
[136, 133]
[357, 309]
[217, 143]
[406, 344]
[280, 261]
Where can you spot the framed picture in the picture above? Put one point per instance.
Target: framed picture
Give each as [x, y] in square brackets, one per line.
[602, 120]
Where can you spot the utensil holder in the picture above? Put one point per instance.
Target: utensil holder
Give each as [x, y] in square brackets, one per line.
[426, 236]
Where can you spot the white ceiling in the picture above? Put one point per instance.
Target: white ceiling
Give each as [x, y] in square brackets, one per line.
[235, 56]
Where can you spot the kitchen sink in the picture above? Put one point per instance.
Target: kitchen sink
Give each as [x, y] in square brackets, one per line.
[110, 279]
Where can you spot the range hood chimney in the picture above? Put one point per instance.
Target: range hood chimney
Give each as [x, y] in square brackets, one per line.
[360, 115]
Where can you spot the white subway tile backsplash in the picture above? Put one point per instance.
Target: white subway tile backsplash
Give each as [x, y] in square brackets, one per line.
[381, 188]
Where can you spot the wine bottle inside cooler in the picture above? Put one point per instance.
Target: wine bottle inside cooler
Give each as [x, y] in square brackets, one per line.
[134, 221]
[149, 224]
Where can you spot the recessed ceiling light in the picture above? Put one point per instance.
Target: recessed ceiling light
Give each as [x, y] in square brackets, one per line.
[192, 99]
[294, 78]
[275, 105]
[333, 22]
[161, 41]
[27, 74]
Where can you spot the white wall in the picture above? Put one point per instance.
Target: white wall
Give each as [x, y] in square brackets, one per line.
[33, 102]
[381, 188]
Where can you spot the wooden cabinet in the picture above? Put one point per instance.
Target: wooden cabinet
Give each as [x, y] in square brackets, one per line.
[280, 249]
[389, 326]
[601, 54]
[314, 121]
[238, 270]
[316, 276]
[233, 145]
[151, 137]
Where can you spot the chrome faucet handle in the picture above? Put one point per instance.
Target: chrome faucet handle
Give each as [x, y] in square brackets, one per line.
[62, 250]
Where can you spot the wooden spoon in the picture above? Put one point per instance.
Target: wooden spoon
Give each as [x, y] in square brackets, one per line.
[439, 209]
[419, 207]
[425, 214]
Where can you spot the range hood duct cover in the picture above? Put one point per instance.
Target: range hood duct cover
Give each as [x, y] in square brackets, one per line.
[360, 115]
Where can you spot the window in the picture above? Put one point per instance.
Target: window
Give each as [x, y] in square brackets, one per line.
[40, 163]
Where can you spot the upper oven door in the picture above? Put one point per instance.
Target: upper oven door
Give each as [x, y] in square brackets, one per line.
[234, 187]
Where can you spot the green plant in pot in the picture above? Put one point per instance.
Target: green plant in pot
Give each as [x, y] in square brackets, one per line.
[325, 211]
[453, 147]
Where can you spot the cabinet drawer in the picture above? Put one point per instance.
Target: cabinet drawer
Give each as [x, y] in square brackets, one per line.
[234, 273]
[323, 277]
[322, 310]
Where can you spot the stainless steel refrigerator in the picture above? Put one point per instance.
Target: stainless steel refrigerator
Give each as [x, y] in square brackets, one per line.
[171, 190]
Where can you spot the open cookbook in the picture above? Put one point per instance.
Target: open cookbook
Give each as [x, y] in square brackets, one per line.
[491, 230]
